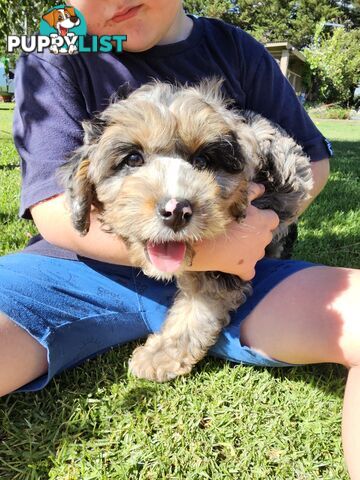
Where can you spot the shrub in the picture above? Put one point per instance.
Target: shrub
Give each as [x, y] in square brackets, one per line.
[334, 62]
[328, 111]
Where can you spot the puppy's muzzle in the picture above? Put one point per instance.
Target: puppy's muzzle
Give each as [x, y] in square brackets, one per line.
[175, 213]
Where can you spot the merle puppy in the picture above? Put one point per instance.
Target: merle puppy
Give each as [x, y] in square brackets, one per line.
[169, 166]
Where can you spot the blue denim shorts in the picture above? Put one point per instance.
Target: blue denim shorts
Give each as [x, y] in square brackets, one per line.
[77, 309]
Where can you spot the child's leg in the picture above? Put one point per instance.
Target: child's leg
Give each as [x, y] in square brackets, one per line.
[351, 423]
[22, 358]
[56, 313]
[312, 317]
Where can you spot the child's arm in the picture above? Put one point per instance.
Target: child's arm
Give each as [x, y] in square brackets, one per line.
[235, 252]
[320, 171]
[53, 221]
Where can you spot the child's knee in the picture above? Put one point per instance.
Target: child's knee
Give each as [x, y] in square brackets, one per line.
[347, 304]
[5, 321]
[22, 358]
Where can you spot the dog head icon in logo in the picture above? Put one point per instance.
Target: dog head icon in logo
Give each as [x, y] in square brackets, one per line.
[62, 19]
[65, 20]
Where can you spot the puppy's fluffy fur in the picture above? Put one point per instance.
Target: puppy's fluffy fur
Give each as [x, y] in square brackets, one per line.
[170, 151]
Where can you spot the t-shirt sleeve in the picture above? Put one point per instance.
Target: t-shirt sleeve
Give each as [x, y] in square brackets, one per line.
[47, 126]
[270, 94]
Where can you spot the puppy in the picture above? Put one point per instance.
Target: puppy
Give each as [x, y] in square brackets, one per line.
[169, 166]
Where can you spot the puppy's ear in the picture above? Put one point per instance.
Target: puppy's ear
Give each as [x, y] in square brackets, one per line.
[79, 190]
[262, 129]
[122, 93]
[50, 18]
[93, 129]
[250, 139]
[74, 176]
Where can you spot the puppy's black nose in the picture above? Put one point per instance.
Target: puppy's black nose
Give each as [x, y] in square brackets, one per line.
[175, 214]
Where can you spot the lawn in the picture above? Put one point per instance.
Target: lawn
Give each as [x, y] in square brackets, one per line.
[222, 421]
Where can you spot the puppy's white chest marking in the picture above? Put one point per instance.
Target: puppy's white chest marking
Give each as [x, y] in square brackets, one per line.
[173, 170]
[172, 177]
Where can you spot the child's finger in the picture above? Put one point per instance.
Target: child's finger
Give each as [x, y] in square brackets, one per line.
[272, 218]
[255, 190]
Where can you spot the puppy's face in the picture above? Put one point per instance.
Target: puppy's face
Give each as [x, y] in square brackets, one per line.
[166, 167]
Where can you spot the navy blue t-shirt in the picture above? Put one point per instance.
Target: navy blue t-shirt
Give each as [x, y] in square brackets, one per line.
[54, 94]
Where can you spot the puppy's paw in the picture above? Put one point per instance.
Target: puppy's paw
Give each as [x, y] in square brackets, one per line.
[156, 365]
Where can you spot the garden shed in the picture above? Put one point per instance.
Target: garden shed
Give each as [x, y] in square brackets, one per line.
[291, 61]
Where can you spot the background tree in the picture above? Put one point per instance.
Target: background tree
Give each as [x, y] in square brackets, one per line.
[329, 30]
[21, 18]
[334, 61]
[280, 20]
[227, 10]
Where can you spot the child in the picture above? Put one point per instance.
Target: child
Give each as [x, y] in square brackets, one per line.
[66, 297]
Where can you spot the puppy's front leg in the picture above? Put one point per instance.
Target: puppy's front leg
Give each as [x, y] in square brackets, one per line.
[191, 328]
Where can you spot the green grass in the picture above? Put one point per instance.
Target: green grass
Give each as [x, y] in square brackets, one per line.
[330, 229]
[222, 421]
[14, 232]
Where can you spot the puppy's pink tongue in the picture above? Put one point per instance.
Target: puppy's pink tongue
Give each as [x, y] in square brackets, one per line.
[166, 257]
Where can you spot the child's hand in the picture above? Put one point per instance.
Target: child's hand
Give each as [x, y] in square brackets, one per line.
[244, 243]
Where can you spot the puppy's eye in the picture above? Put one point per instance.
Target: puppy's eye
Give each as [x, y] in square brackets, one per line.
[200, 162]
[134, 159]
